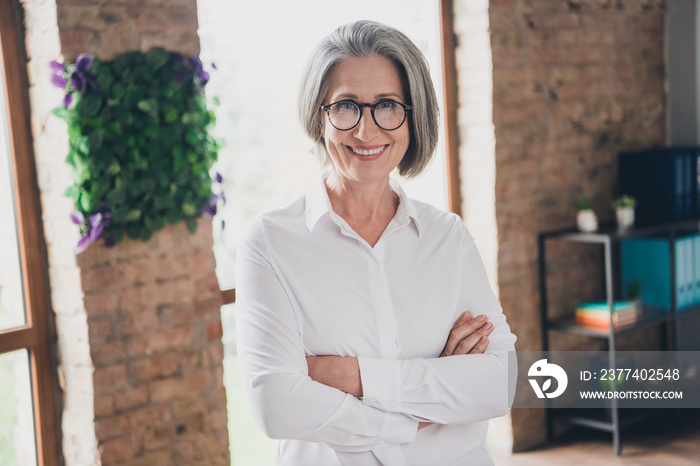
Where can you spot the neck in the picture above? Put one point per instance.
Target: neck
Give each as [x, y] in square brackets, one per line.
[362, 203]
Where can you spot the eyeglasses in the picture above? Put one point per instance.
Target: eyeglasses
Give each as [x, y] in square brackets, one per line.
[346, 114]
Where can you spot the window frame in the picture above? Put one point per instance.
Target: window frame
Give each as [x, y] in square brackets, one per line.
[36, 335]
[449, 95]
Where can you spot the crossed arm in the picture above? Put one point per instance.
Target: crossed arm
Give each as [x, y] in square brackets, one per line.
[469, 335]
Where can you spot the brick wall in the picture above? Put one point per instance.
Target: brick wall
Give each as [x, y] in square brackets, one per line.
[574, 83]
[139, 329]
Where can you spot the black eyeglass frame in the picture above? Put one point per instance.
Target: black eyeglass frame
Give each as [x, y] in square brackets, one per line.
[327, 109]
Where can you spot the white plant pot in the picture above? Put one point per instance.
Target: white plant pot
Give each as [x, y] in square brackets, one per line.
[586, 220]
[625, 217]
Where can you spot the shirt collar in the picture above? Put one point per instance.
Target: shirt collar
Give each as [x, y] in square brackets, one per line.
[318, 204]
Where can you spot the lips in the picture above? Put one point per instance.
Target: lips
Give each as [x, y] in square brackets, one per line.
[368, 151]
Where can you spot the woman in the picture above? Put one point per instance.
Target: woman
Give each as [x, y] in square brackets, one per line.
[367, 330]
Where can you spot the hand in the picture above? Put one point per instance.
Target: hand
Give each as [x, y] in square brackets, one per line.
[468, 335]
[338, 372]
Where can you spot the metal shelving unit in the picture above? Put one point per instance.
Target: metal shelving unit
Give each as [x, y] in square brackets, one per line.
[608, 237]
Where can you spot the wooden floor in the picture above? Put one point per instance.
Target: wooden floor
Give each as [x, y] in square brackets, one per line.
[668, 441]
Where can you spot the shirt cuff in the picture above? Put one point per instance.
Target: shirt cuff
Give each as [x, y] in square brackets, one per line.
[396, 430]
[381, 383]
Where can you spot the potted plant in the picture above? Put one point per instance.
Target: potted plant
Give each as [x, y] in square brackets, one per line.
[586, 219]
[624, 210]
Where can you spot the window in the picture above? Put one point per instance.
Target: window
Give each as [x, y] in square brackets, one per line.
[27, 414]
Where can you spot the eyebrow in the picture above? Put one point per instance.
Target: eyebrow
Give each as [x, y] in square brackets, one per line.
[376, 97]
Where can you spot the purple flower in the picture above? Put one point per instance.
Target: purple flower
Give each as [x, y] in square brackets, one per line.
[218, 177]
[68, 100]
[209, 210]
[56, 66]
[195, 63]
[222, 196]
[204, 78]
[223, 224]
[82, 244]
[95, 219]
[96, 232]
[77, 80]
[77, 218]
[58, 81]
[213, 65]
[84, 62]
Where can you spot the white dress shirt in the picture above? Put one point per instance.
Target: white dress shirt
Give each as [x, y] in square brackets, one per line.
[308, 285]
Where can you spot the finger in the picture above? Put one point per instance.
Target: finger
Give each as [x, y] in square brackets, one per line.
[469, 345]
[481, 346]
[461, 332]
[465, 316]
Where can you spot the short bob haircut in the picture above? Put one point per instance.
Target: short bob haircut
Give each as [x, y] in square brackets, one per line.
[363, 39]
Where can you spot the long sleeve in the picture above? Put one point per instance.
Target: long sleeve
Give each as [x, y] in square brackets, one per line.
[456, 389]
[284, 401]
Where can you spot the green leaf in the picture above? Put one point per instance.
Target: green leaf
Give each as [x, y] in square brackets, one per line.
[117, 196]
[87, 202]
[159, 222]
[174, 217]
[133, 230]
[99, 188]
[170, 115]
[89, 105]
[148, 223]
[62, 113]
[189, 210]
[117, 91]
[72, 192]
[156, 58]
[114, 168]
[133, 215]
[192, 225]
[149, 106]
[145, 235]
[104, 78]
[95, 140]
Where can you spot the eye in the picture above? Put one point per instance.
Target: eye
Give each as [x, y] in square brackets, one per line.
[389, 105]
[346, 106]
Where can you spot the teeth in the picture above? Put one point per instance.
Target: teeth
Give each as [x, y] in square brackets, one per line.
[367, 152]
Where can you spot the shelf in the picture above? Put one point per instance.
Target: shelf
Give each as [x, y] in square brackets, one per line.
[612, 240]
[694, 309]
[609, 231]
[600, 418]
[649, 316]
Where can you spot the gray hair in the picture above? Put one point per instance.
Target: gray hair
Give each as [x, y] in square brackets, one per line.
[363, 39]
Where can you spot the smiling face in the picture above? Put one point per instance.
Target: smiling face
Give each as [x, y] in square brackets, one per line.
[366, 153]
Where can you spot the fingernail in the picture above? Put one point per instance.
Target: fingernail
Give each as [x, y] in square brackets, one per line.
[481, 317]
[482, 339]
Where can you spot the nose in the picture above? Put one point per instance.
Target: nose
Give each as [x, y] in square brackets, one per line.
[366, 129]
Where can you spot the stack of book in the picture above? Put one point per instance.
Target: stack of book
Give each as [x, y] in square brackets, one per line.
[597, 315]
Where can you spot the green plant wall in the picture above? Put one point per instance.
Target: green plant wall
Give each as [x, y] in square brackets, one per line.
[140, 146]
